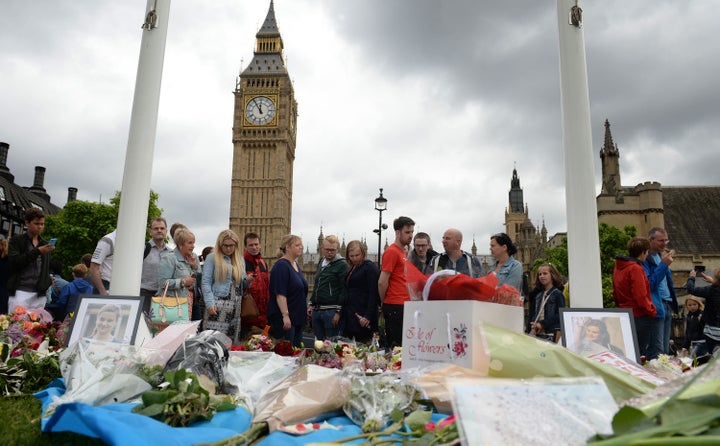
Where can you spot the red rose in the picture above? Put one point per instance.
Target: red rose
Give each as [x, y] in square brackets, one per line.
[284, 348]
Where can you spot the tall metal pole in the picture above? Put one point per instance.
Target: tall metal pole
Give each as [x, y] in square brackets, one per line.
[380, 206]
[582, 224]
[380, 240]
[132, 219]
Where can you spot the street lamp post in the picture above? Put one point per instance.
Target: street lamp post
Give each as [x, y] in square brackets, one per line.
[380, 206]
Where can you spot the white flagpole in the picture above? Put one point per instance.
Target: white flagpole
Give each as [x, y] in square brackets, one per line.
[582, 223]
[132, 220]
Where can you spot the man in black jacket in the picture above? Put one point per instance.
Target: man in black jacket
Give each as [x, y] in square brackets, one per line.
[29, 256]
[328, 291]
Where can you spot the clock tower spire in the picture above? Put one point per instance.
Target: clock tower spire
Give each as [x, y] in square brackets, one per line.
[263, 136]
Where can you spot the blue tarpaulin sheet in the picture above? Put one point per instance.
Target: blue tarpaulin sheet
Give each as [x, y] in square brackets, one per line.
[116, 425]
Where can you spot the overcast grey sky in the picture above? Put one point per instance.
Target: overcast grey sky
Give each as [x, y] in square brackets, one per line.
[434, 101]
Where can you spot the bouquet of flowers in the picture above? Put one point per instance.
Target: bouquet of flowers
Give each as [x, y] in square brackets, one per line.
[98, 373]
[373, 399]
[259, 342]
[668, 367]
[27, 329]
[28, 343]
[324, 355]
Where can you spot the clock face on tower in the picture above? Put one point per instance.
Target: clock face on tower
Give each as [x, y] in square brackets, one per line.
[260, 110]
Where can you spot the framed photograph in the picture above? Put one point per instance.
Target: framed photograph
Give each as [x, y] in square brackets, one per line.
[106, 318]
[587, 331]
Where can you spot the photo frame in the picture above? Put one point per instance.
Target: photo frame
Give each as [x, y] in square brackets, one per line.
[106, 318]
[587, 331]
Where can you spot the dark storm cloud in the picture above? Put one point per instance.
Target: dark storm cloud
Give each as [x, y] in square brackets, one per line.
[440, 101]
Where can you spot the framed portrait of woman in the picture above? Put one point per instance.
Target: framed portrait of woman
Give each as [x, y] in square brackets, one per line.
[589, 331]
[106, 319]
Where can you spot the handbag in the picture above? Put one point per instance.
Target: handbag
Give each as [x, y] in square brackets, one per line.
[248, 307]
[533, 331]
[169, 308]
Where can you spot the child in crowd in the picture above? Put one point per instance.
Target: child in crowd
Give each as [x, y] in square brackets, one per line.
[71, 291]
[693, 320]
[694, 326]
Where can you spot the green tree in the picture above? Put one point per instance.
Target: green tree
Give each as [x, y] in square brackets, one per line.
[613, 241]
[80, 225]
[558, 256]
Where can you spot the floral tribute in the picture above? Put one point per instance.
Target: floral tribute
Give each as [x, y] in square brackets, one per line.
[338, 355]
[264, 343]
[27, 329]
[260, 343]
[29, 341]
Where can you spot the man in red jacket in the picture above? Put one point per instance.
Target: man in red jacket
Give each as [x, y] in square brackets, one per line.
[631, 289]
[259, 279]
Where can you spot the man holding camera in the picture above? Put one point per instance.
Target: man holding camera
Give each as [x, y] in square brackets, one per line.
[662, 289]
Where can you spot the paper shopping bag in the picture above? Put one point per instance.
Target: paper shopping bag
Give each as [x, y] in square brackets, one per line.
[450, 331]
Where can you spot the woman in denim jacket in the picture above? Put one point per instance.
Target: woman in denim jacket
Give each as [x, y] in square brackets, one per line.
[222, 285]
[506, 268]
[179, 267]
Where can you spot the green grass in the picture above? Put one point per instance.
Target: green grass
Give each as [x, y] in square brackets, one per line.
[20, 425]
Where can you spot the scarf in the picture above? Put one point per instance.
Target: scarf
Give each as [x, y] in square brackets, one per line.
[254, 260]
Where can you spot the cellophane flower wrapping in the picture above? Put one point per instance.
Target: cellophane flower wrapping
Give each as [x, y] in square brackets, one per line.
[253, 373]
[433, 381]
[206, 355]
[303, 396]
[159, 349]
[98, 373]
[708, 383]
[372, 399]
[669, 367]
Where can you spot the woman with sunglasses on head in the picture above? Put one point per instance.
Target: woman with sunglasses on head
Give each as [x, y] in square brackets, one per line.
[180, 267]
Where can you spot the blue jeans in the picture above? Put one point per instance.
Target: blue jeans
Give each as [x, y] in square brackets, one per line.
[667, 324]
[322, 321]
[655, 342]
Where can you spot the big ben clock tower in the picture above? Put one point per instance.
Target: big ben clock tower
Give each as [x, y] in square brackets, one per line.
[264, 127]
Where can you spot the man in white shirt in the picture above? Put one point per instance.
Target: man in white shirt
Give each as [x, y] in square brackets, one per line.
[101, 264]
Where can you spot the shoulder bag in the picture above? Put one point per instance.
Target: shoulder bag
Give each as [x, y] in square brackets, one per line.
[169, 308]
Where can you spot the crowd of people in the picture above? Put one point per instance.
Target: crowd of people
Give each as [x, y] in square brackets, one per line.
[350, 292]
[642, 281]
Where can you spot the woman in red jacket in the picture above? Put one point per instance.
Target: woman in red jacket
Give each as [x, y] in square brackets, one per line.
[631, 289]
